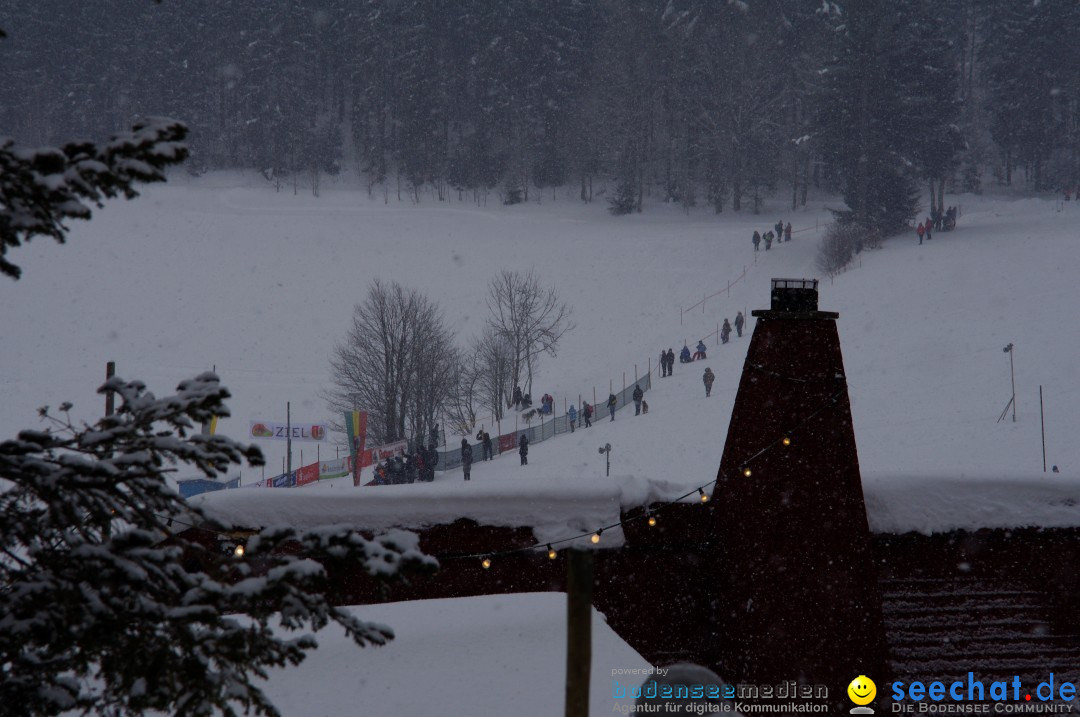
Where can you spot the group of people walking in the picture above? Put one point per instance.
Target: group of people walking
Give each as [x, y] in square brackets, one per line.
[938, 219]
[779, 233]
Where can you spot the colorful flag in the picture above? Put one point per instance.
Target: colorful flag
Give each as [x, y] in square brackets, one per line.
[356, 430]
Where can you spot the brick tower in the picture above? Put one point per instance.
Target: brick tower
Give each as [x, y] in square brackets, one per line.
[800, 598]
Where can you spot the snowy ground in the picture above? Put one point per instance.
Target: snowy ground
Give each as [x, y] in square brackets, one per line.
[455, 656]
[222, 271]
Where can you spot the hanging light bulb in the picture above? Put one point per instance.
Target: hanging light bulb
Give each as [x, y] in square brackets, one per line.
[238, 551]
[551, 552]
[486, 563]
[703, 495]
[596, 536]
[786, 440]
[746, 471]
[652, 521]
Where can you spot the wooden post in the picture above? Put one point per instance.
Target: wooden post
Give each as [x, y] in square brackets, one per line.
[624, 380]
[635, 373]
[717, 333]
[703, 302]
[579, 585]
[1042, 426]
[110, 371]
[680, 316]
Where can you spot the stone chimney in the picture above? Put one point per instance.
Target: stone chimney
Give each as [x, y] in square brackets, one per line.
[800, 595]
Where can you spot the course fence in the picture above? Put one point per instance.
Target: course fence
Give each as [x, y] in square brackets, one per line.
[541, 427]
[685, 309]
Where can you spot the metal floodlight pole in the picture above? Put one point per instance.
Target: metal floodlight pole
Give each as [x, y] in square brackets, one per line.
[1012, 375]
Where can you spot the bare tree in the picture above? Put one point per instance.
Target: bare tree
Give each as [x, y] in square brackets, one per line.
[494, 382]
[394, 363]
[464, 403]
[529, 318]
[433, 366]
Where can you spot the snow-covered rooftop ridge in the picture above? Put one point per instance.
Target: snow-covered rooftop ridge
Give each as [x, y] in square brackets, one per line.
[555, 509]
[562, 508]
[933, 504]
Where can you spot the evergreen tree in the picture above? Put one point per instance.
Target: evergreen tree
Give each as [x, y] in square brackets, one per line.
[1032, 85]
[867, 126]
[109, 608]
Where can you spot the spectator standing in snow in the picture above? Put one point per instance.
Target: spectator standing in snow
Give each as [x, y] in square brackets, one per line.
[517, 396]
[663, 363]
[739, 321]
[670, 361]
[638, 395]
[485, 443]
[466, 457]
[523, 449]
[779, 231]
[725, 332]
[708, 378]
[586, 413]
[611, 403]
[768, 240]
[571, 416]
[920, 230]
[756, 240]
[787, 232]
[929, 225]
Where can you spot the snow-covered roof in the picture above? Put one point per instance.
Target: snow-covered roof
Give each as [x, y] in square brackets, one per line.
[559, 508]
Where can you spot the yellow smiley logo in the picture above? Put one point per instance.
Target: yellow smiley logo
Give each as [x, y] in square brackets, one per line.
[862, 690]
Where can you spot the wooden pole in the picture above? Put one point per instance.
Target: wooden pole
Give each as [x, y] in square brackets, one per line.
[110, 371]
[1042, 423]
[579, 584]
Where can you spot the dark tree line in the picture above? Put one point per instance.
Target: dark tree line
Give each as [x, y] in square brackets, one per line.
[691, 101]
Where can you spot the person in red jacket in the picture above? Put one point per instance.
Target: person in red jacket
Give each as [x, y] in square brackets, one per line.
[928, 225]
[920, 230]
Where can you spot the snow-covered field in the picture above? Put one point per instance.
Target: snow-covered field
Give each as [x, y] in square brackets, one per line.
[455, 656]
[222, 271]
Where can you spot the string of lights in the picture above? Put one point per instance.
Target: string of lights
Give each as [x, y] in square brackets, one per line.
[649, 515]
